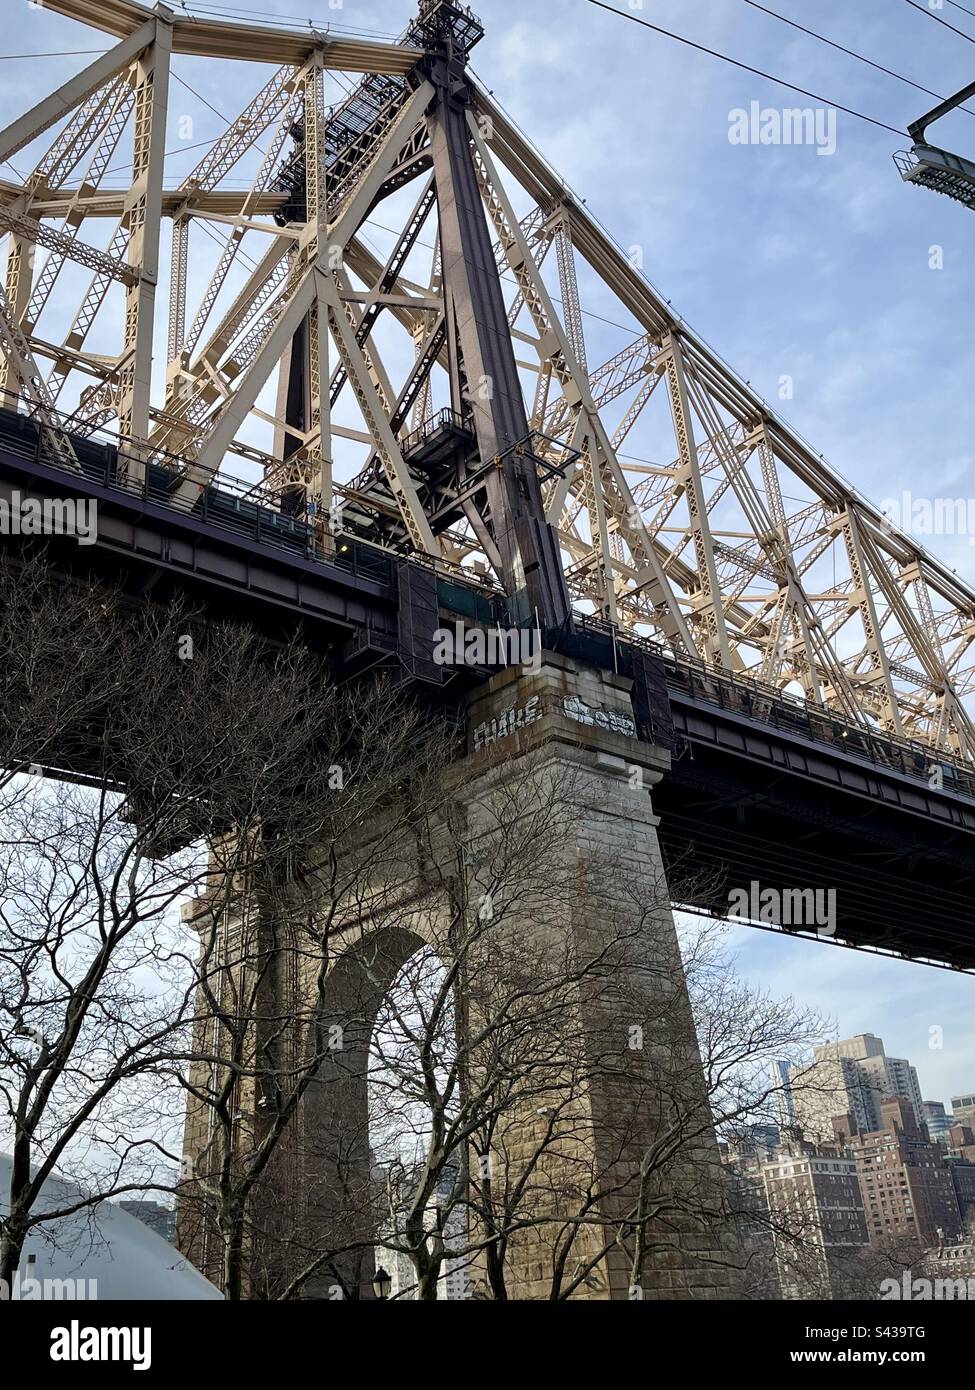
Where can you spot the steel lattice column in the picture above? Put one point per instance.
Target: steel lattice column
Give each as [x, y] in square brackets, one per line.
[479, 325]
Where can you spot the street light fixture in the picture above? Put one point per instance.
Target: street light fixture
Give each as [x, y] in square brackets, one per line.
[381, 1284]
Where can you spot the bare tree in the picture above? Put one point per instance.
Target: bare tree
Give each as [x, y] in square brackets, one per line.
[148, 758]
[275, 1041]
[488, 1027]
[354, 921]
[651, 1187]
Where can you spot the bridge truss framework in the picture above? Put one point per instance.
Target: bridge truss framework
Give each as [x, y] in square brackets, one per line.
[482, 435]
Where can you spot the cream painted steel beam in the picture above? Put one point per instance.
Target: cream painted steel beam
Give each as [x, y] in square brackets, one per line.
[251, 43]
[53, 108]
[223, 203]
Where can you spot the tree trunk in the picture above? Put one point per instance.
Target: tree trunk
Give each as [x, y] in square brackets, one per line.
[11, 1249]
[232, 1229]
[495, 1274]
[17, 1224]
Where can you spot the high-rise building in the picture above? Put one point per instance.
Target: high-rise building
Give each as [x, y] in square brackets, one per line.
[748, 1213]
[851, 1077]
[908, 1188]
[455, 1277]
[961, 1142]
[963, 1108]
[399, 1267]
[786, 1106]
[961, 1164]
[829, 1086]
[813, 1192]
[753, 1141]
[158, 1218]
[937, 1120]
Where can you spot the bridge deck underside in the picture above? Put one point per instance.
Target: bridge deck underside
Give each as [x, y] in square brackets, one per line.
[903, 883]
[748, 799]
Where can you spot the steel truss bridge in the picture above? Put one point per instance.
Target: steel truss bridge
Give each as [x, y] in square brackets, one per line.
[426, 437]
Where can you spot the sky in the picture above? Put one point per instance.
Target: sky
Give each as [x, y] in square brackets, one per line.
[822, 267]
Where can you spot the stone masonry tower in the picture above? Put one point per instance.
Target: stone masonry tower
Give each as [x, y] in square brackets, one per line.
[628, 1097]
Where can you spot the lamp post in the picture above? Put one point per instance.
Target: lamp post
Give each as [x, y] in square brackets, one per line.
[381, 1284]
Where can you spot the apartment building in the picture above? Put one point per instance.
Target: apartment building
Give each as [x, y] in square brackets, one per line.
[908, 1188]
[813, 1191]
[851, 1077]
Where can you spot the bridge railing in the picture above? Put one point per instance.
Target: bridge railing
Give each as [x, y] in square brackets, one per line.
[230, 503]
[442, 420]
[756, 699]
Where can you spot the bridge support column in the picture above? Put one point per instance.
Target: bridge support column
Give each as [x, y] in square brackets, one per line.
[641, 1093]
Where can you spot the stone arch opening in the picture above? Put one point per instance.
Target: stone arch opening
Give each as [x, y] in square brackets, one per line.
[417, 1015]
[361, 1111]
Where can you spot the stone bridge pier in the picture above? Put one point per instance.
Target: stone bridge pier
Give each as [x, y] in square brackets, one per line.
[606, 1138]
